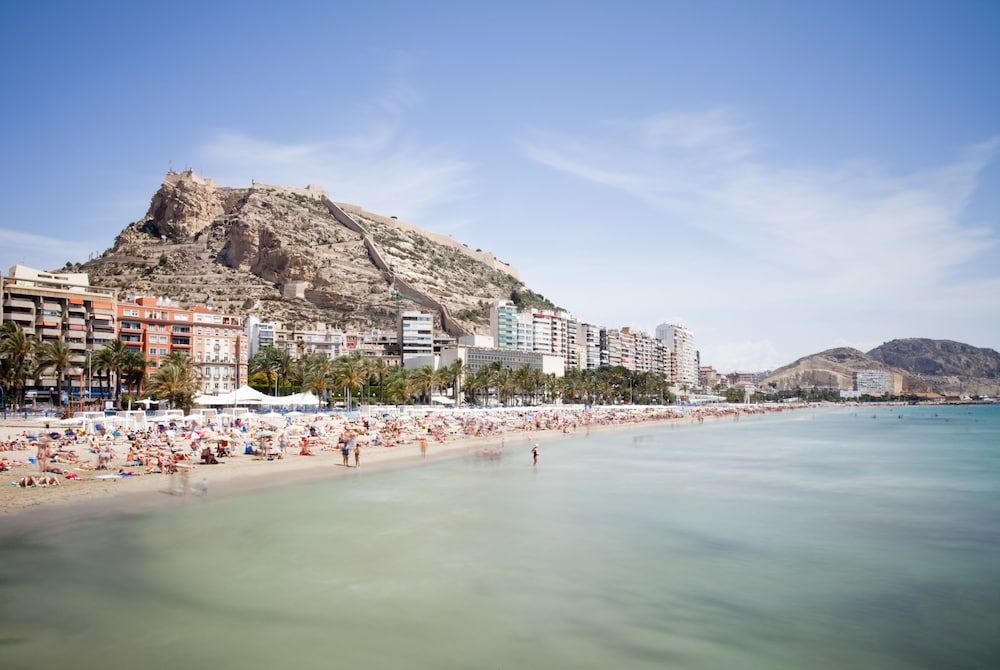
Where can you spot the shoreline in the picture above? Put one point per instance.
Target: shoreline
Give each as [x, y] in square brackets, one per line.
[100, 499]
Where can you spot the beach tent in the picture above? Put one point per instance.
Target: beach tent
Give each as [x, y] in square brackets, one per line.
[442, 400]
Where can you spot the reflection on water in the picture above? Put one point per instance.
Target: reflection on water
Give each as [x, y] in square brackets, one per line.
[816, 540]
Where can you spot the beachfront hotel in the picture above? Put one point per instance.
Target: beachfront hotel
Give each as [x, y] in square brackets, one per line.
[59, 306]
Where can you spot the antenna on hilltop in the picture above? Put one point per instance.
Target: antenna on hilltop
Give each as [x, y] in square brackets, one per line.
[170, 166]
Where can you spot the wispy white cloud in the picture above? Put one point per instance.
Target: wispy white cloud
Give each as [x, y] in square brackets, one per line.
[377, 164]
[39, 250]
[854, 239]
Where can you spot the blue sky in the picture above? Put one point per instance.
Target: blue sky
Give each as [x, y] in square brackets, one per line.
[781, 177]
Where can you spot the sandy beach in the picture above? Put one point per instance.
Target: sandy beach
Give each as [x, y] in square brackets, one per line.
[94, 495]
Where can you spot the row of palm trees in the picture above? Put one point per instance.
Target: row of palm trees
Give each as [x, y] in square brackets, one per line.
[114, 367]
[351, 375]
[373, 379]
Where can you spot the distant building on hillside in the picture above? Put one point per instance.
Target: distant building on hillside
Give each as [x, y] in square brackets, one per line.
[416, 337]
[873, 382]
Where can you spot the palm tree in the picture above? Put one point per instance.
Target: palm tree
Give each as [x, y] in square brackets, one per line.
[176, 382]
[100, 363]
[275, 364]
[134, 370]
[425, 380]
[317, 372]
[117, 360]
[55, 356]
[378, 370]
[401, 385]
[349, 373]
[455, 374]
[17, 350]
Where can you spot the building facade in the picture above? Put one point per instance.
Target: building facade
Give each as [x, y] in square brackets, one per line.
[60, 306]
[873, 382]
[158, 327]
[680, 341]
[416, 336]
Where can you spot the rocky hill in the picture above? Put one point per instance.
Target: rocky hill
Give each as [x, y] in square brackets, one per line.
[951, 367]
[294, 255]
[834, 369]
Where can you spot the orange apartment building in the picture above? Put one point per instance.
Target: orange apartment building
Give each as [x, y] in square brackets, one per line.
[157, 327]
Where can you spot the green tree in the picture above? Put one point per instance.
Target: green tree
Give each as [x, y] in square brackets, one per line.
[17, 351]
[349, 373]
[177, 383]
[55, 356]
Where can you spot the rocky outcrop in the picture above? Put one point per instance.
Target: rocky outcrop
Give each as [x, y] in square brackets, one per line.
[186, 204]
[235, 249]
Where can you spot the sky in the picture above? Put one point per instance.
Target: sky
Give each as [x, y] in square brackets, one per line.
[782, 178]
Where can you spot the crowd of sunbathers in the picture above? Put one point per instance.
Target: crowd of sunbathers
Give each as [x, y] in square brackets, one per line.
[165, 446]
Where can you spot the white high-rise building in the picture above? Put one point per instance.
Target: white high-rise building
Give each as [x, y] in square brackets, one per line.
[680, 342]
[525, 332]
[416, 335]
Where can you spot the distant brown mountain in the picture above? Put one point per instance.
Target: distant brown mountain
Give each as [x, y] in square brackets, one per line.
[835, 368]
[948, 366]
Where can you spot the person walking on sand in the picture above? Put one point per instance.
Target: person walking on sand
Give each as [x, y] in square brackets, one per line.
[357, 455]
[423, 447]
[534, 454]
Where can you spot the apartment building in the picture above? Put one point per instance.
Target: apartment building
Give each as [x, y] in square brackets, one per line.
[589, 337]
[680, 341]
[298, 340]
[504, 324]
[158, 327]
[59, 306]
[416, 336]
[873, 382]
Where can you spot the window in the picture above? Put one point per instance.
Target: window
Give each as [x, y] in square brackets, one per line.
[130, 312]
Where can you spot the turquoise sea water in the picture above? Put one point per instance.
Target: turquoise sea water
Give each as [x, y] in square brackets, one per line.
[826, 539]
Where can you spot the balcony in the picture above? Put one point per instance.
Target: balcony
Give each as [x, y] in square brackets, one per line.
[18, 303]
[77, 346]
[20, 317]
[51, 333]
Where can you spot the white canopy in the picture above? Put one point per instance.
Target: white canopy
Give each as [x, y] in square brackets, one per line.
[244, 395]
[294, 400]
[248, 396]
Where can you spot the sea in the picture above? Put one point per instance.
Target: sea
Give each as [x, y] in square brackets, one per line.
[831, 538]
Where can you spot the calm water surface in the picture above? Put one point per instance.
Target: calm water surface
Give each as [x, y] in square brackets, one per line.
[815, 540]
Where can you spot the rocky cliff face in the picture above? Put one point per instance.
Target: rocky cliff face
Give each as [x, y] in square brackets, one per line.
[835, 368]
[236, 249]
[952, 367]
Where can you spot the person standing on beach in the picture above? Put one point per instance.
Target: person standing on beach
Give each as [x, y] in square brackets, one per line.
[44, 452]
[357, 454]
[423, 447]
[534, 454]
